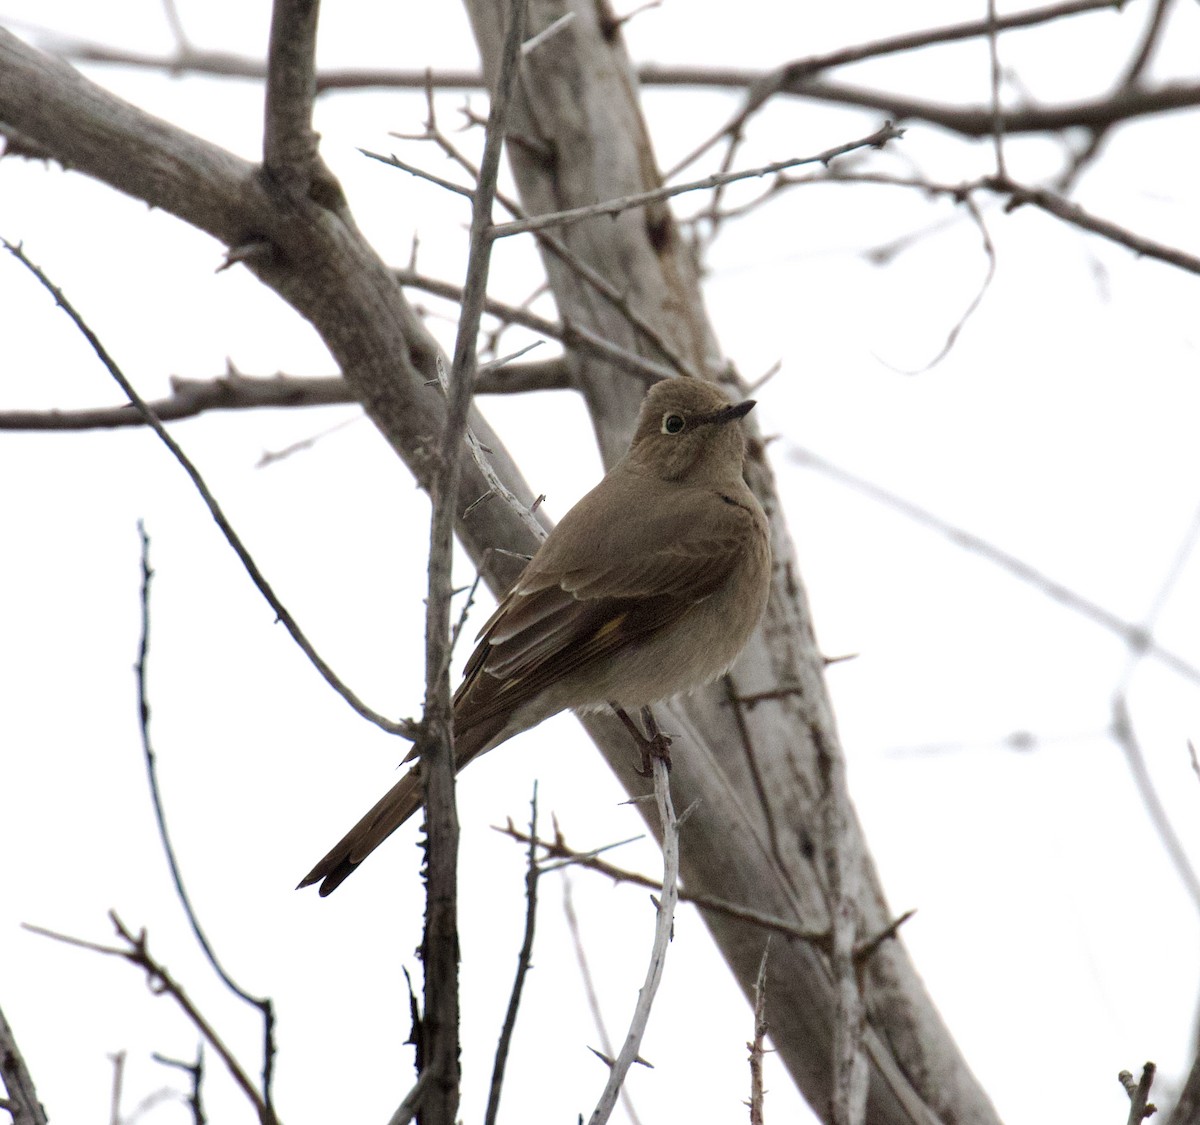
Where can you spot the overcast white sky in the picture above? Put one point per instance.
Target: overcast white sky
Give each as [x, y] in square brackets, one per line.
[1052, 930]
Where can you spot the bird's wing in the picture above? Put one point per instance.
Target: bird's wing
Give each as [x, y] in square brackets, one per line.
[579, 603]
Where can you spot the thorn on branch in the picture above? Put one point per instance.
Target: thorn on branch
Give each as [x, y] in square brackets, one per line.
[251, 252]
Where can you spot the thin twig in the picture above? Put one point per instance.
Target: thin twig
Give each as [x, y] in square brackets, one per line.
[756, 1045]
[1126, 738]
[403, 728]
[570, 334]
[989, 251]
[589, 986]
[439, 949]
[411, 1104]
[559, 849]
[195, 1070]
[524, 960]
[496, 487]
[1054, 204]
[765, 86]
[662, 938]
[136, 952]
[554, 246]
[394, 161]
[877, 139]
[118, 1083]
[1129, 633]
[1140, 1107]
[993, 38]
[263, 1003]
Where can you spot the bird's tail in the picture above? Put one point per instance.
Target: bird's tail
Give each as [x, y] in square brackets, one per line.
[389, 812]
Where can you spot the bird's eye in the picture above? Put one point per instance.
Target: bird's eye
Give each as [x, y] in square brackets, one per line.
[672, 423]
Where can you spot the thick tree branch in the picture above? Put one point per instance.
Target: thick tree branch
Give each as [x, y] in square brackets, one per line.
[317, 261]
[289, 143]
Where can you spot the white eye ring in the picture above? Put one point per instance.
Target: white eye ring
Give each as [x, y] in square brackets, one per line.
[672, 423]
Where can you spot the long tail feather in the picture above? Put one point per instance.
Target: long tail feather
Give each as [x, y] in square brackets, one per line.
[389, 813]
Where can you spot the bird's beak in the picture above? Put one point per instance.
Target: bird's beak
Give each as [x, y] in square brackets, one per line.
[727, 413]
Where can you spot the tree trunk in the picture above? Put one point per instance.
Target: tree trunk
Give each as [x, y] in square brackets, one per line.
[757, 770]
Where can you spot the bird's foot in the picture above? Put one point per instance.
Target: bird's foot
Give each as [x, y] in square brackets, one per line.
[654, 744]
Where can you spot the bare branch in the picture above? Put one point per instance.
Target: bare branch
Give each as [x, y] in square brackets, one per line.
[393, 161]
[997, 114]
[289, 143]
[190, 398]
[439, 949]
[558, 849]
[1140, 1107]
[978, 122]
[878, 139]
[225, 64]
[402, 728]
[785, 78]
[756, 1045]
[496, 487]
[263, 1004]
[22, 1100]
[136, 952]
[1072, 213]
[1131, 634]
[662, 938]
[1121, 729]
[524, 960]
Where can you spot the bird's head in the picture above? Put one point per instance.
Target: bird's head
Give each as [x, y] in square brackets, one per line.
[688, 431]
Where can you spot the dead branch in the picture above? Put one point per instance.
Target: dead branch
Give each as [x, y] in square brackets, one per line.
[524, 960]
[877, 139]
[662, 938]
[558, 849]
[439, 947]
[262, 1004]
[403, 728]
[190, 398]
[1140, 1107]
[1131, 634]
[757, 1044]
[136, 951]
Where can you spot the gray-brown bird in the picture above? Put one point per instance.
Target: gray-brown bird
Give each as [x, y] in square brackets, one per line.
[648, 587]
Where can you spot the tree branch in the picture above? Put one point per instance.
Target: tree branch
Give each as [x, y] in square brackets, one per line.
[402, 728]
[439, 949]
[262, 1004]
[289, 143]
[22, 1100]
[524, 960]
[610, 207]
[662, 939]
[136, 951]
[190, 398]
